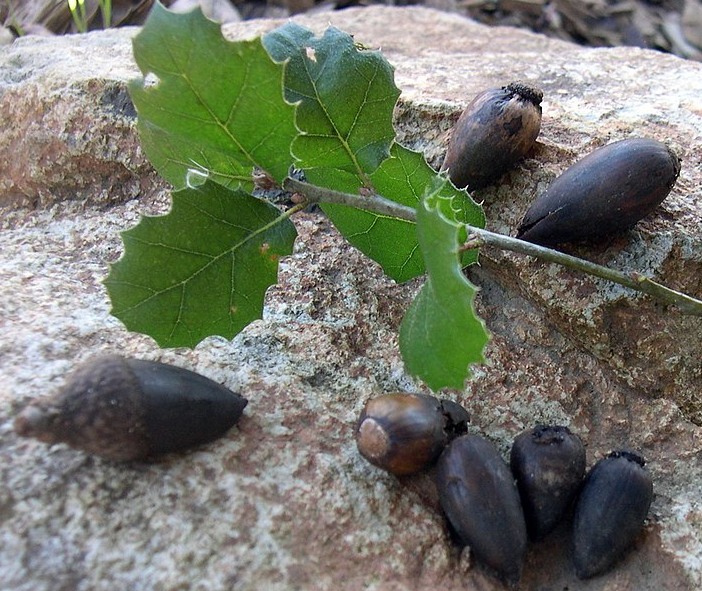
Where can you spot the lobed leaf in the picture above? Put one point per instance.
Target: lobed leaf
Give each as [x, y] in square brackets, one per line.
[441, 335]
[206, 103]
[202, 269]
[176, 159]
[345, 95]
[392, 242]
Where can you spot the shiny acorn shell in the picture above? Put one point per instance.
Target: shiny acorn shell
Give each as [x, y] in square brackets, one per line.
[548, 463]
[480, 499]
[606, 192]
[494, 132]
[127, 409]
[610, 512]
[405, 433]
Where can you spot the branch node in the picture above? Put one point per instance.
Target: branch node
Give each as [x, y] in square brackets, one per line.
[472, 242]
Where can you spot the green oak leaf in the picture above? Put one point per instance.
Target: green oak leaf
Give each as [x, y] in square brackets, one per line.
[200, 270]
[179, 161]
[346, 97]
[392, 242]
[209, 104]
[441, 335]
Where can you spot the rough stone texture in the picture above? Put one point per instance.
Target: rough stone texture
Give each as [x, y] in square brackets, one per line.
[284, 501]
[68, 122]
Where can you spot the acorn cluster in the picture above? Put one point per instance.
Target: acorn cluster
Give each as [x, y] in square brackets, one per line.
[494, 507]
[127, 409]
[603, 194]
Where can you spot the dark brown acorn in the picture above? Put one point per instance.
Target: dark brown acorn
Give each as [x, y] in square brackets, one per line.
[405, 433]
[548, 463]
[606, 192]
[610, 512]
[127, 409]
[495, 131]
[480, 500]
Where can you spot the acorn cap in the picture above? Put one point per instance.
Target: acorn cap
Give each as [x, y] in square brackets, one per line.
[457, 418]
[127, 409]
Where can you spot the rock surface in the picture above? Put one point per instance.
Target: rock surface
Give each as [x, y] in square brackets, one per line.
[284, 501]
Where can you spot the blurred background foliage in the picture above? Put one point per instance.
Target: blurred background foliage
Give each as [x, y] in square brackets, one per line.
[673, 26]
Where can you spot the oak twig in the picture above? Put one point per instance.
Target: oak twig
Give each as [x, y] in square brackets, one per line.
[375, 203]
[478, 236]
[634, 280]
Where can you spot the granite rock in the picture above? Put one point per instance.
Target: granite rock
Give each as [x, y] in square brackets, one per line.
[284, 501]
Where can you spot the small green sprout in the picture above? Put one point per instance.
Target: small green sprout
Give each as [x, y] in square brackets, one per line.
[80, 18]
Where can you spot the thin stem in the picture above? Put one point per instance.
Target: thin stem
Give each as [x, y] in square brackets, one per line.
[290, 212]
[77, 9]
[370, 202]
[477, 237]
[83, 16]
[106, 9]
[685, 303]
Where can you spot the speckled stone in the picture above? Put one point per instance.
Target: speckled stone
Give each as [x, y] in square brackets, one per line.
[284, 501]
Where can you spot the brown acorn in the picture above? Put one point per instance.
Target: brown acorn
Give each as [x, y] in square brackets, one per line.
[405, 433]
[610, 512]
[548, 463]
[606, 192]
[127, 409]
[495, 131]
[478, 495]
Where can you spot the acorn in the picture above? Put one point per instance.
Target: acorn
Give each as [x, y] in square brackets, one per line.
[494, 132]
[405, 433]
[603, 194]
[548, 463]
[128, 409]
[610, 512]
[480, 499]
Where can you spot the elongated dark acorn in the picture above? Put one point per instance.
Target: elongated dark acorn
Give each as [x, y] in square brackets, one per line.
[606, 192]
[548, 463]
[495, 131]
[480, 500]
[405, 433]
[126, 409]
[610, 512]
